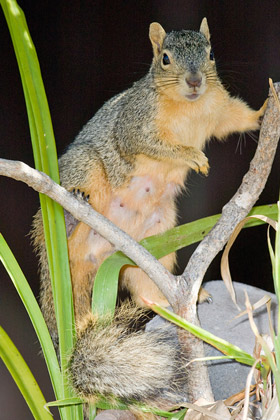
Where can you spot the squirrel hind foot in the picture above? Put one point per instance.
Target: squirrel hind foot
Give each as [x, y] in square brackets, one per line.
[70, 221]
[204, 296]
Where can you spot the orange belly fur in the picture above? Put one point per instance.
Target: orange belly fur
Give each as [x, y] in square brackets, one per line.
[144, 206]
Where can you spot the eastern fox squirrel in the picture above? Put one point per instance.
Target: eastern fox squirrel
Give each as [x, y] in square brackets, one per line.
[132, 159]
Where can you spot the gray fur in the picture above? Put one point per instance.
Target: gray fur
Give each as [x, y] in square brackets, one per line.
[113, 136]
[188, 49]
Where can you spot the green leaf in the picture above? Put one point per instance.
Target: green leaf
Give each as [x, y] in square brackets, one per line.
[179, 415]
[92, 411]
[105, 286]
[105, 404]
[156, 411]
[23, 377]
[45, 160]
[65, 402]
[45, 157]
[34, 312]
[269, 210]
[222, 345]
[106, 281]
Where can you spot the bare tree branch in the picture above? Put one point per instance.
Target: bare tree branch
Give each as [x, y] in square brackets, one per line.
[233, 212]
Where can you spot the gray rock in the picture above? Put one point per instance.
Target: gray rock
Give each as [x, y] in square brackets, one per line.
[228, 377]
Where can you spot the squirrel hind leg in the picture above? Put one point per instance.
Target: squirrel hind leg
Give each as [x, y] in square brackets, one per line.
[141, 286]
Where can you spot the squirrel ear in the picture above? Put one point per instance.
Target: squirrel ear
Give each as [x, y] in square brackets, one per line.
[204, 29]
[157, 35]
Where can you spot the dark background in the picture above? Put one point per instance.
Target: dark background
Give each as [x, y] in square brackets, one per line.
[91, 50]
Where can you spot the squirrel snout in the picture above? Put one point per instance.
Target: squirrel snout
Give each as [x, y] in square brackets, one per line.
[194, 80]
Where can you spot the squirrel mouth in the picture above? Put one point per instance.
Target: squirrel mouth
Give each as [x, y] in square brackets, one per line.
[193, 96]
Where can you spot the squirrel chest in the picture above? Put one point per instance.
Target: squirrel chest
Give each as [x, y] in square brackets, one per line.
[145, 204]
[155, 182]
[189, 124]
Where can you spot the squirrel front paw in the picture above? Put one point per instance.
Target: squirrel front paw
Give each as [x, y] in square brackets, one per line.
[197, 160]
[261, 111]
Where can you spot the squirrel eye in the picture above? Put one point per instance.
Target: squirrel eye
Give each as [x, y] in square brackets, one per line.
[211, 55]
[165, 59]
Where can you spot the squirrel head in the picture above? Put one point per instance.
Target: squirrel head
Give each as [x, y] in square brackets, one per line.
[183, 61]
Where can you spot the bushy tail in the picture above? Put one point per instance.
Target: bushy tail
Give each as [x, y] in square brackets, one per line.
[111, 360]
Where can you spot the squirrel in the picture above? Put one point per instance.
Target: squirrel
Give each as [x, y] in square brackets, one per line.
[131, 160]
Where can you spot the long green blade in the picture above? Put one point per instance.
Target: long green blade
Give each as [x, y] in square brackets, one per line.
[23, 377]
[45, 160]
[34, 313]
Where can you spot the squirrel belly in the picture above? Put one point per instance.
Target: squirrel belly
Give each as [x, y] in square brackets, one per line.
[132, 159]
[144, 207]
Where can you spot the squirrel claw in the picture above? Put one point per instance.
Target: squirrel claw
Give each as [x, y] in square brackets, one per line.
[263, 108]
[261, 111]
[197, 160]
[204, 169]
[204, 296]
[80, 195]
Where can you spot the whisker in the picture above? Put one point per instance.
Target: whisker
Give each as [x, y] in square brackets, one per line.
[253, 136]
[167, 84]
[241, 141]
[168, 79]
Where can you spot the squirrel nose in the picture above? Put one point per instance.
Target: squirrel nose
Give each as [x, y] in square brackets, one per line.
[194, 80]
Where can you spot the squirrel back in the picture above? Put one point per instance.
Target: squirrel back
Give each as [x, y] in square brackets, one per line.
[132, 159]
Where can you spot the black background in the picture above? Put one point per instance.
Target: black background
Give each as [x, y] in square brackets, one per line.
[91, 50]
